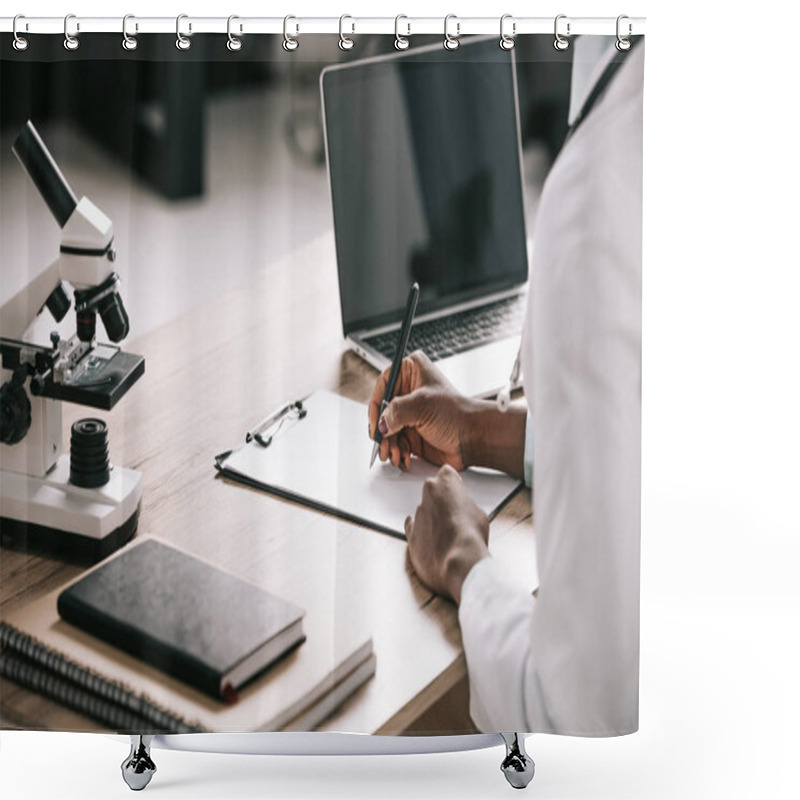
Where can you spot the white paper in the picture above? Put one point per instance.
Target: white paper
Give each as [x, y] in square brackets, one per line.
[324, 460]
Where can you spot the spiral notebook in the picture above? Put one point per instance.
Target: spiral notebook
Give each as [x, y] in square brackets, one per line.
[321, 458]
[44, 653]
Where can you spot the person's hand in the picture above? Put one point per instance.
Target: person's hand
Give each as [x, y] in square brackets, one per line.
[426, 417]
[448, 535]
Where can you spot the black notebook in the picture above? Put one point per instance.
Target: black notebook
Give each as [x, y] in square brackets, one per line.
[201, 625]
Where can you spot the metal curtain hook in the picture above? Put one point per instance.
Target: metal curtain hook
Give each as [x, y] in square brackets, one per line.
[71, 42]
[451, 42]
[401, 42]
[623, 43]
[182, 42]
[20, 42]
[506, 41]
[129, 42]
[561, 43]
[234, 43]
[290, 43]
[345, 43]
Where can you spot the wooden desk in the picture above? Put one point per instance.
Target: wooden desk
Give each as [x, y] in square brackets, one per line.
[209, 375]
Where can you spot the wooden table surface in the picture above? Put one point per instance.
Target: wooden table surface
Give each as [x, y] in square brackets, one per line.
[210, 375]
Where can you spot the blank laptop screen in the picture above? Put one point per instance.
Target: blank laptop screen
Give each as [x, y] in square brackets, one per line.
[424, 159]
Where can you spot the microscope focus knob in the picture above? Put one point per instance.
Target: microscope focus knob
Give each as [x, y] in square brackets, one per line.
[15, 411]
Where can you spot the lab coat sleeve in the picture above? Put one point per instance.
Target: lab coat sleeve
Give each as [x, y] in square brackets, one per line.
[528, 456]
[566, 661]
[495, 618]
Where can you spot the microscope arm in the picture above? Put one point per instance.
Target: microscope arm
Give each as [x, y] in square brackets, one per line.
[17, 314]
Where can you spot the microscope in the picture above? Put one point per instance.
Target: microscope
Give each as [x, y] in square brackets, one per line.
[77, 506]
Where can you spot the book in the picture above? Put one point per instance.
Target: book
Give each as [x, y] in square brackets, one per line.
[317, 452]
[296, 693]
[183, 616]
[27, 662]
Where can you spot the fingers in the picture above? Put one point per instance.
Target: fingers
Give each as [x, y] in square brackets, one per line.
[405, 384]
[375, 401]
[405, 452]
[416, 370]
[402, 412]
[410, 542]
[429, 373]
[420, 358]
[448, 473]
[446, 477]
[400, 451]
[397, 450]
[430, 491]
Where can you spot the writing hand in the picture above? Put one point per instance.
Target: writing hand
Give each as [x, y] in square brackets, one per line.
[425, 418]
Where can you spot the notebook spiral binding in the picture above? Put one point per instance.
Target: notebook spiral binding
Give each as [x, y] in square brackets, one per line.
[291, 39]
[27, 662]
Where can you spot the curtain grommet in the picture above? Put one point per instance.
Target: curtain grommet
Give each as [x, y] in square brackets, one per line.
[561, 43]
[622, 44]
[20, 43]
[290, 43]
[234, 43]
[129, 42]
[182, 42]
[345, 42]
[451, 42]
[71, 43]
[401, 42]
[507, 42]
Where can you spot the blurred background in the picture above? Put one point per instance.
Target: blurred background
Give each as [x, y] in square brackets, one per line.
[209, 164]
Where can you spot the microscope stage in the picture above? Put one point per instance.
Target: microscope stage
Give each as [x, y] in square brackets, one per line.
[104, 383]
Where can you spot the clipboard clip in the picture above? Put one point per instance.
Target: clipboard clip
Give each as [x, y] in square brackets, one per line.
[275, 421]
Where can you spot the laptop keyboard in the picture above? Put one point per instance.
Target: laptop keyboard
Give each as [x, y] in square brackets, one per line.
[448, 335]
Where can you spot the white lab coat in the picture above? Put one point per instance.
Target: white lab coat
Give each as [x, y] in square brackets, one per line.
[567, 661]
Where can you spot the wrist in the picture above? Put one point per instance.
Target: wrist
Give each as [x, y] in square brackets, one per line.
[492, 438]
[458, 565]
[473, 437]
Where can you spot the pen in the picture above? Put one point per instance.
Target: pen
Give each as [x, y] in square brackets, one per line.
[405, 332]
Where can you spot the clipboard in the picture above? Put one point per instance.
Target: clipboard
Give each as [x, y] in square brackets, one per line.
[316, 452]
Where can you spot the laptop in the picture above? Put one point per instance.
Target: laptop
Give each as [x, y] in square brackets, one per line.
[425, 168]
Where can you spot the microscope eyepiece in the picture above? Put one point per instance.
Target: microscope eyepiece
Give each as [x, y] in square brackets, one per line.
[29, 148]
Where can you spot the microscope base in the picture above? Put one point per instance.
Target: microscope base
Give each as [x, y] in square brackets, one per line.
[51, 516]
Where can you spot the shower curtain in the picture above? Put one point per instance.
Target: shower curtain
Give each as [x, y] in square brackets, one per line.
[255, 216]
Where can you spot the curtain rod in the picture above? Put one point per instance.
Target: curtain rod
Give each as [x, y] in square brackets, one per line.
[297, 26]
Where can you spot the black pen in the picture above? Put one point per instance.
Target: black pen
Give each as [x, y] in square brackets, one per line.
[405, 332]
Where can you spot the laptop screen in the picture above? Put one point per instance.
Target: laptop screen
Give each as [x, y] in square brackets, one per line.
[424, 159]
